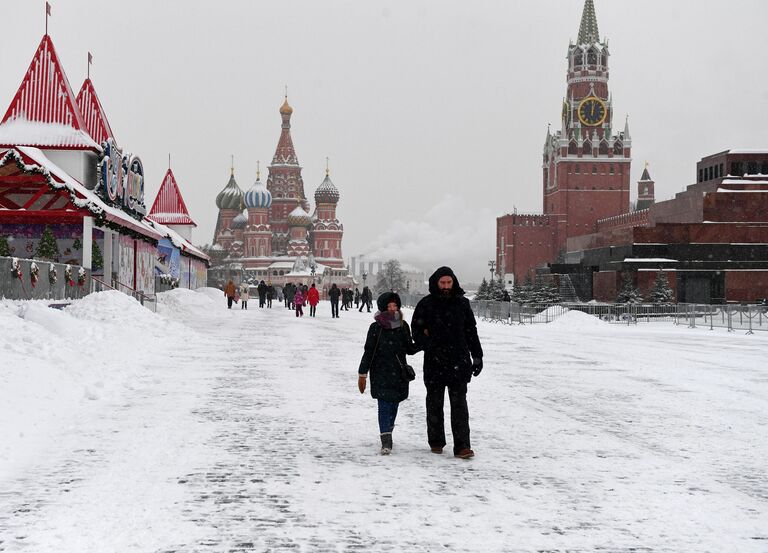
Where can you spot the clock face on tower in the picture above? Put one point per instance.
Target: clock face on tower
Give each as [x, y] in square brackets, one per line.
[592, 111]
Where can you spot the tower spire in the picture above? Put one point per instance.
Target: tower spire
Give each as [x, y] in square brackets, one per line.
[588, 32]
[327, 166]
[232, 166]
[258, 169]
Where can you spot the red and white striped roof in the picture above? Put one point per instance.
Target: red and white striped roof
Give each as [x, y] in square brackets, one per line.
[169, 207]
[44, 111]
[93, 113]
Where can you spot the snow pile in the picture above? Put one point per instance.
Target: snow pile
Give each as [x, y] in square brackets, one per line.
[551, 313]
[111, 306]
[577, 320]
[213, 293]
[59, 365]
[181, 304]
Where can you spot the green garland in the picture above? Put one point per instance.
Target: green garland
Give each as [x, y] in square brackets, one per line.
[98, 213]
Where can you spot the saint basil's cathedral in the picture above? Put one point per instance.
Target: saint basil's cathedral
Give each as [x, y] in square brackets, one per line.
[267, 232]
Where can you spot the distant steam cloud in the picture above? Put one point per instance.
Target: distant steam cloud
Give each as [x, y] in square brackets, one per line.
[450, 233]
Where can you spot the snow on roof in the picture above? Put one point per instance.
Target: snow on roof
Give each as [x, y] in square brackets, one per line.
[179, 241]
[281, 265]
[649, 260]
[46, 100]
[747, 191]
[22, 132]
[747, 151]
[87, 199]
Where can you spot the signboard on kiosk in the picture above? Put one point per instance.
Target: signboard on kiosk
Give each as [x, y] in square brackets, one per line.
[121, 180]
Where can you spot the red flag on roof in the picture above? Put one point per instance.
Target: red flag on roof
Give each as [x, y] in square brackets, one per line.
[47, 9]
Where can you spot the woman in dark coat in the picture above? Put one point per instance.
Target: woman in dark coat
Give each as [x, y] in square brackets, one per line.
[387, 344]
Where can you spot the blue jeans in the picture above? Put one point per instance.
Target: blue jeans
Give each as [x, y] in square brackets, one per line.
[387, 415]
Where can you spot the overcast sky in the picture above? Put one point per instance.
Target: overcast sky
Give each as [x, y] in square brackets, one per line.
[433, 113]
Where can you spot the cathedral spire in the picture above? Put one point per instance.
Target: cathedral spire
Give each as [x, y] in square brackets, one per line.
[588, 32]
[285, 153]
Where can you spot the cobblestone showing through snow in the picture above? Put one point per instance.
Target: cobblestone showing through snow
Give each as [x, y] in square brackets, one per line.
[254, 438]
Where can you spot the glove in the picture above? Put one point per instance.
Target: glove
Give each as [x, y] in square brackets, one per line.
[477, 366]
[361, 383]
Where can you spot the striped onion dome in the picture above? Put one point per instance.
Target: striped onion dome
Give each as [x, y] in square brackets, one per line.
[299, 218]
[327, 193]
[231, 197]
[239, 221]
[258, 197]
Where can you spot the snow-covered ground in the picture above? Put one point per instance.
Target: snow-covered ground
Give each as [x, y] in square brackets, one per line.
[205, 429]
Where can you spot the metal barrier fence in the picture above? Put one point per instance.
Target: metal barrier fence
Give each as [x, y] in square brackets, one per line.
[147, 300]
[748, 318]
[29, 279]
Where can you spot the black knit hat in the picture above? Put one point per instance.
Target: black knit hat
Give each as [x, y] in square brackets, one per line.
[385, 299]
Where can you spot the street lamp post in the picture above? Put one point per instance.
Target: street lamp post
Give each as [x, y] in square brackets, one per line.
[365, 276]
[492, 265]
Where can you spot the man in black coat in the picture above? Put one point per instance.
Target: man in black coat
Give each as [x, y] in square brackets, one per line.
[262, 290]
[334, 294]
[444, 327]
[365, 299]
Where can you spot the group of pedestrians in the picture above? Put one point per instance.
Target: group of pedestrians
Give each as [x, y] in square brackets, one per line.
[241, 294]
[444, 328]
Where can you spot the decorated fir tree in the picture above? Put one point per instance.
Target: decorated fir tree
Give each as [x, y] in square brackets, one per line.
[48, 248]
[629, 293]
[77, 245]
[97, 261]
[5, 250]
[661, 291]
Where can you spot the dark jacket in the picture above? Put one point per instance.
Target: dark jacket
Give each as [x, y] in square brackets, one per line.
[451, 335]
[334, 293]
[262, 289]
[384, 357]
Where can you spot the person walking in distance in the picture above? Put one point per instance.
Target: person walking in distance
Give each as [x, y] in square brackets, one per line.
[387, 343]
[229, 293]
[298, 302]
[357, 297]
[445, 328]
[262, 290]
[333, 295]
[270, 294]
[245, 294]
[365, 299]
[313, 298]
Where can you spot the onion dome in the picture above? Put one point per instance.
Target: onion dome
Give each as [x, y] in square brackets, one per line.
[231, 197]
[239, 221]
[286, 109]
[327, 193]
[299, 218]
[258, 197]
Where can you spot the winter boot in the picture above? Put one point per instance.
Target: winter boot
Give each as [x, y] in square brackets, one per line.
[386, 443]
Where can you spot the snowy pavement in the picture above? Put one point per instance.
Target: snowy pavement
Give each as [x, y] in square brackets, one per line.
[203, 430]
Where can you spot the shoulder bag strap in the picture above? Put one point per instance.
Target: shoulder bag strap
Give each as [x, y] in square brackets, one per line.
[370, 364]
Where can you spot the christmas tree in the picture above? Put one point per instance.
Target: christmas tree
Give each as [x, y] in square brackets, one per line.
[5, 250]
[48, 248]
[97, 261]
[76, 245]
[628, 293]
[661, 292]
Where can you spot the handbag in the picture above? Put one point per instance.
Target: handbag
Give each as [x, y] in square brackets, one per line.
[408, 373]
